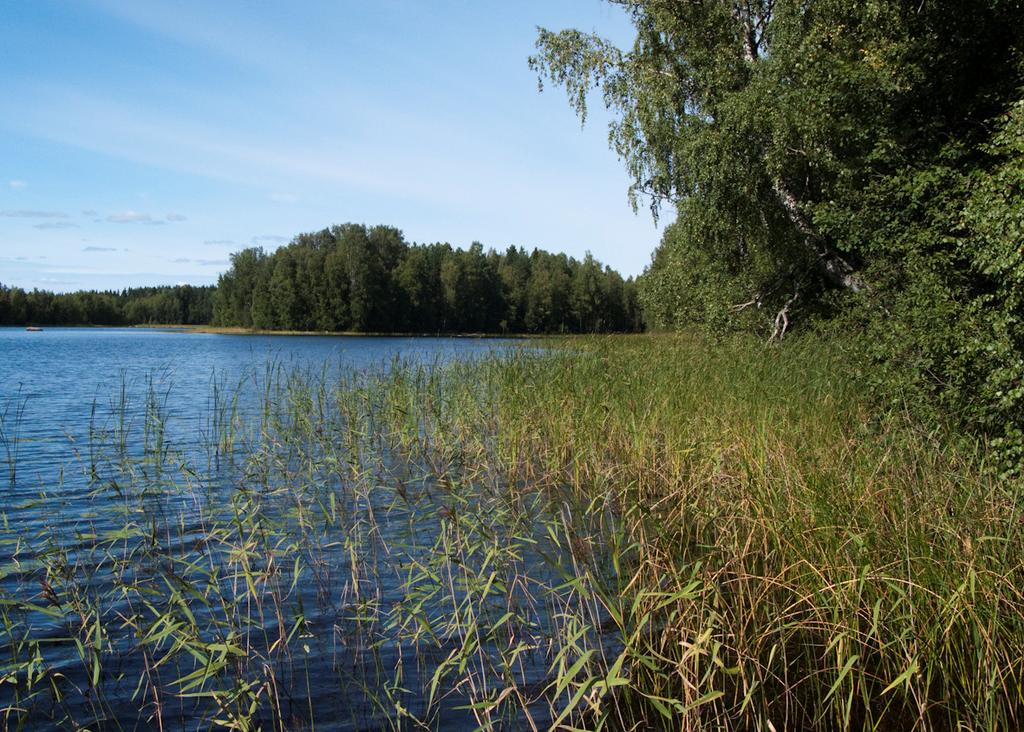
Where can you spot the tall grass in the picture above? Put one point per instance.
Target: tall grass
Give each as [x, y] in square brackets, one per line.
[617, 533]
[784, 557]
[11, 421]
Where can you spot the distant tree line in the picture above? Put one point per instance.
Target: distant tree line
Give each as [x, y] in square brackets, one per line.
[364, 279]
[180, 304]
[369, 279]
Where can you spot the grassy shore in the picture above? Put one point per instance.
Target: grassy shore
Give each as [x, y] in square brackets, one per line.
[786, 557]
[614, 533]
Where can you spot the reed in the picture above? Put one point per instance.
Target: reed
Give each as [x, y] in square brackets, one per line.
[784, 557]
[608, 533]
[11, 420]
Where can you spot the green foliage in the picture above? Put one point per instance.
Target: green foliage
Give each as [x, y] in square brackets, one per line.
[856, 164]
[354, 278]
[237, 288]
[179, 305]
[723, 289]
[943, 332]
[547, 294]
[995, 214]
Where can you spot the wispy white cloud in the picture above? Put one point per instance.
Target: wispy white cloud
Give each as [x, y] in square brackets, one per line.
[17, 184]
[284, 197]
[89, 212]
[220, 243]
[102, 268]
[28, 214]
[176, 217]
[56, 225]
[137, 217]
[197, 146]
[269, 239]
[201, 262]
[230, 37]
[130, 217]
[99, 249]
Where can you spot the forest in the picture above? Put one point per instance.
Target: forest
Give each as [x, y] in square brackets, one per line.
[368, 279]
[364, 279]
[178, 304]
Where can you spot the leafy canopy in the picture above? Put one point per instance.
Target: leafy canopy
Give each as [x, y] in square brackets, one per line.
[854, 163]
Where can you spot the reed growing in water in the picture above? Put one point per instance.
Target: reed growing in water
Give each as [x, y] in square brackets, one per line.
[614, 533]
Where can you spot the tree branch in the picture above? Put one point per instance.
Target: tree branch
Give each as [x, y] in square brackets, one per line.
[743, 306]
[836, 270]
[782, 319]
[745, 18]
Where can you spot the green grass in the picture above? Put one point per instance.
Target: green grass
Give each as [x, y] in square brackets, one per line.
[784, 555]
[614, 533]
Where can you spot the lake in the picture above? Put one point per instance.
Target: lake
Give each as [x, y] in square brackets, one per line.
[265, 532]
[62, 374]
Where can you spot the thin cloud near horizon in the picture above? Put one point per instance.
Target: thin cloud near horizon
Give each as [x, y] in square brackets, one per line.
[31, 214]
[56, 225]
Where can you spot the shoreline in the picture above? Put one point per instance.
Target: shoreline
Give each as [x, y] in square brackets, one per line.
[238, 330]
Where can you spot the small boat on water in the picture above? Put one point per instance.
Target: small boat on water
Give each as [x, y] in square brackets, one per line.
[33, 329]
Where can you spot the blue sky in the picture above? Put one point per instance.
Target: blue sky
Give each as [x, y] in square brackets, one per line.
[142, 142]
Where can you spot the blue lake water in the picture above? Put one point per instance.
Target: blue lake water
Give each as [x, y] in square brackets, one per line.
[61, 375]
[127, 524]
